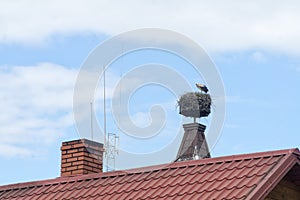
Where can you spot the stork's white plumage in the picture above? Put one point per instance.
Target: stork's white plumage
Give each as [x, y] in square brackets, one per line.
[202, 87]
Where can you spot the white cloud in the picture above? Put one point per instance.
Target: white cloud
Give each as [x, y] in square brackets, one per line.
[141, 119]
[36, 105]
[13, 151]
[220, 26]
[258, 57]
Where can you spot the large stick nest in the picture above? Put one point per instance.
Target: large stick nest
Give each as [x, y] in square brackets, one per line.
[195, 104]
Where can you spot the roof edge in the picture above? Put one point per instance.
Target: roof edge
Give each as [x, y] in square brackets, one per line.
[287, 152]
[275, 175]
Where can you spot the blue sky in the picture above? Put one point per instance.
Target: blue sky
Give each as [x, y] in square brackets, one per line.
[254, 45]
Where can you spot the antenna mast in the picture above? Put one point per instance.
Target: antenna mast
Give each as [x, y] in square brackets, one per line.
[92, 132]
[111, 140]
[104, 108]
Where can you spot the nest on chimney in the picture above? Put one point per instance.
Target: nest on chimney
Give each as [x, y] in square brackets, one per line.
[195, 104]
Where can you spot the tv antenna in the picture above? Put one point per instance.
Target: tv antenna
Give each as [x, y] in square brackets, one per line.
[111, 140]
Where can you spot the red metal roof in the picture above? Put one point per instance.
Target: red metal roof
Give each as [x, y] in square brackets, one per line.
[248, 176]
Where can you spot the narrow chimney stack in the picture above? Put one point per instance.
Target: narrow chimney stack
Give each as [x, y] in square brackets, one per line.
[80, 157]
[193, 145]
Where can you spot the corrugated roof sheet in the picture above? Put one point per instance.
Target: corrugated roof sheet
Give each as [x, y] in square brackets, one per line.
[248, 176]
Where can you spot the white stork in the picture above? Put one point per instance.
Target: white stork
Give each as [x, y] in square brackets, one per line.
[202, 87]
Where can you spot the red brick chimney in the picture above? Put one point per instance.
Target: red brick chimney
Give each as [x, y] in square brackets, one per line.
[80, 157]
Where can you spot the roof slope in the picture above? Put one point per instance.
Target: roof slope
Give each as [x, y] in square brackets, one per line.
[248, 176]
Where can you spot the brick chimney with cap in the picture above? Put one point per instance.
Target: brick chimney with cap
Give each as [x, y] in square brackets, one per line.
[80, 157]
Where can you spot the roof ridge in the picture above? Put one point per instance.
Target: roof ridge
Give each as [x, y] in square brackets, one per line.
[76, 178]
[295, 151]
[214, 160]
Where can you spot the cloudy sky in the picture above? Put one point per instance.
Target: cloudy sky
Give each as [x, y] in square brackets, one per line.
[254, 45]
